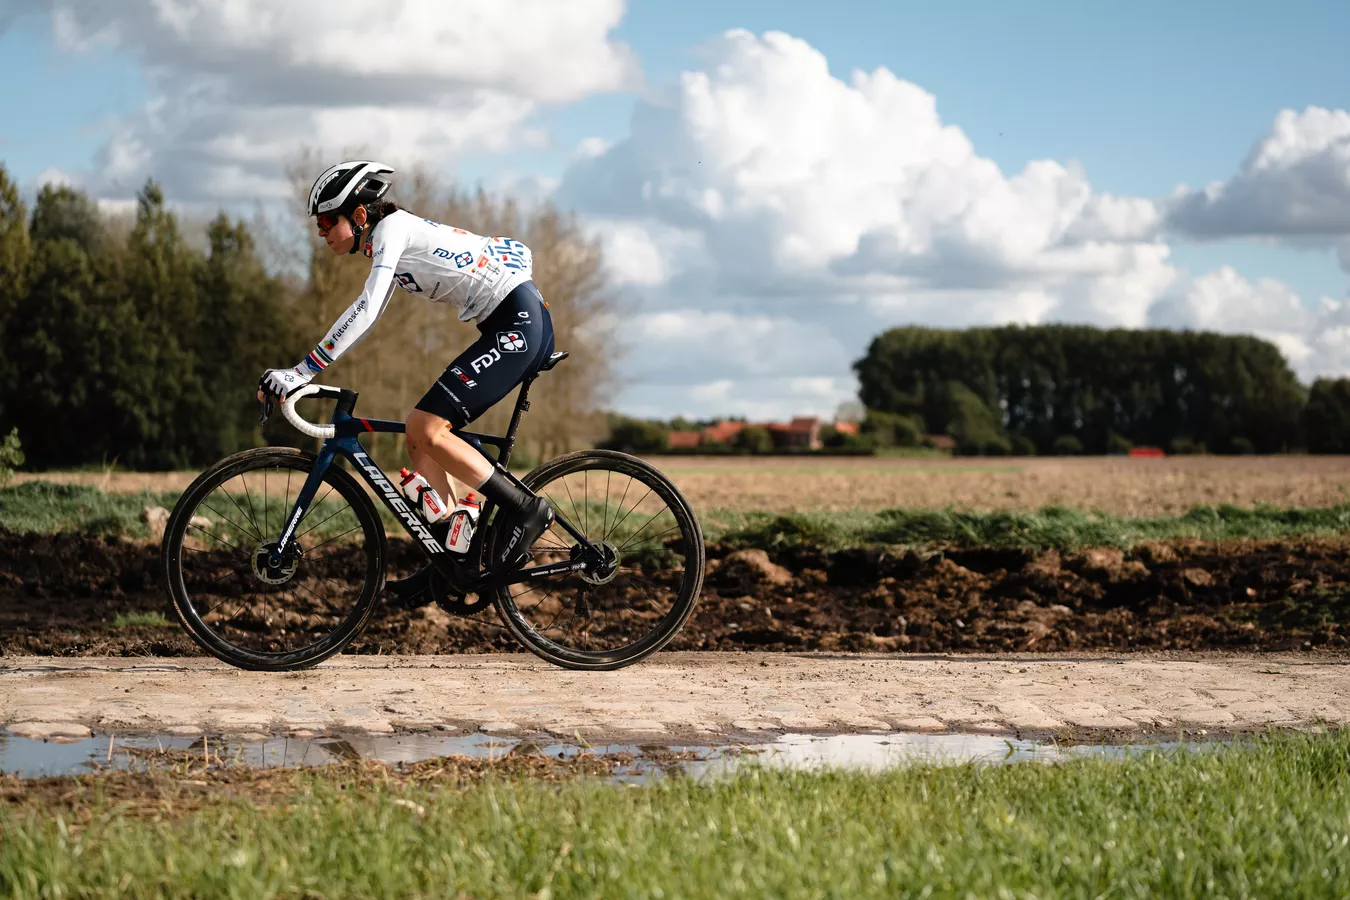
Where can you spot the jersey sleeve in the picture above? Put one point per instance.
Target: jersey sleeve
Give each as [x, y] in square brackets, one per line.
[390, 241]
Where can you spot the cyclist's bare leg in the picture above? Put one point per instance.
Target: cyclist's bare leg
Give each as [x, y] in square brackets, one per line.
[435, 451]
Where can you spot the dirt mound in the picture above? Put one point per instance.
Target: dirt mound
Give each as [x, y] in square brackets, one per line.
[63, 594]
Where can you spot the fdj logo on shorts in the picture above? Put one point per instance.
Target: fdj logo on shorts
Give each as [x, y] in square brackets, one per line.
[511, 342]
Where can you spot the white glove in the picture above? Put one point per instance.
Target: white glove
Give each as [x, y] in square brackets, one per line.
[281, 382]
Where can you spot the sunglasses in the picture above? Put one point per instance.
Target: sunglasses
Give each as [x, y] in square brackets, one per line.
[326, 221]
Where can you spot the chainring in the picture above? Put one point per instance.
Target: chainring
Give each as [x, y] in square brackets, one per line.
[453, 601]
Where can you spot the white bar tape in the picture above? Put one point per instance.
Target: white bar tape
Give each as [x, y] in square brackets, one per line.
[293, 416]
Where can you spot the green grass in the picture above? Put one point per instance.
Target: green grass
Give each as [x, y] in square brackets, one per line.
[1270, 819]
[140, 620]
[46, 507]
[1050, 526]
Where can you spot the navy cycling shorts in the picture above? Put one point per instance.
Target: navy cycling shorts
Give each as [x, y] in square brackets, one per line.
[516, 339]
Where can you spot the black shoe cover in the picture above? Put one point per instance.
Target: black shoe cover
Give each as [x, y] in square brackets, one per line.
[522, 533]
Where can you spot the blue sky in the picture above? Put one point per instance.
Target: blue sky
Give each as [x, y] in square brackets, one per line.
[1146, 95]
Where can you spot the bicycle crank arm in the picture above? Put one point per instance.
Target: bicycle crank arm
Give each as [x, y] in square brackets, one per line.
[489, 580]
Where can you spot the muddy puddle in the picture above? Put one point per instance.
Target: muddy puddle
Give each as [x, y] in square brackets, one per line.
[635, 763]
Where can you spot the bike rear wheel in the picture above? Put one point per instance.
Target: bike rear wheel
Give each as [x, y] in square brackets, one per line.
[215, 556]
[621, 614]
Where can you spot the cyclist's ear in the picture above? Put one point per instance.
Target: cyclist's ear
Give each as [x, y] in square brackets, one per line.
[359, 216]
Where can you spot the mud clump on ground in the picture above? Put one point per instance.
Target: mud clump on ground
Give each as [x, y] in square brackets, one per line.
[63, 595]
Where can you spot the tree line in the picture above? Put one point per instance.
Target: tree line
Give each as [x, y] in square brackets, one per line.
[1076, 389]
[129, 341]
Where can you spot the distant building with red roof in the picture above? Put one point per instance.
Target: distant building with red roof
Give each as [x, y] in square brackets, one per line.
[722, 432]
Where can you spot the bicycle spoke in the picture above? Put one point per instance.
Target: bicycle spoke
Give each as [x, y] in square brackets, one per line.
[604, 510]
[258, 534]
[316, 506]
[253, 518]
[217, 537]
[634, 535]
[227, 519]
[605, 536]
[653, 537]
[574, 502]
[631, 511]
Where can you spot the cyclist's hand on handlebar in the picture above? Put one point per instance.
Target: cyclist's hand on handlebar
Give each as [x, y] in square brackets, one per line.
[280, 382]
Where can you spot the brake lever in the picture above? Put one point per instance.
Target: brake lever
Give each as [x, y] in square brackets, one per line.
[267, 408]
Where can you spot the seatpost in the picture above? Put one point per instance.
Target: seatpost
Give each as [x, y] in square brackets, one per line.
[522, 404]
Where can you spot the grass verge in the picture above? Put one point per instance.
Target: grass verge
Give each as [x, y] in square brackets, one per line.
[1268, 819]
[1052, 526]
[46, 507]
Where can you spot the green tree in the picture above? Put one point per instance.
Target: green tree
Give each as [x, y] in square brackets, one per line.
[973, 424]
[244, 328]
[1067, 445]
[53, 358]
[632, 435]
[14, 257]
[1326, 418]
[1147, 386]
[755, 439]
[888, 429]
[11, 455]
[160, 281]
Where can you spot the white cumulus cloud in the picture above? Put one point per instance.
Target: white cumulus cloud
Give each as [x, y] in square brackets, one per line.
[1315, 340]
[239, 85]
[766, 188]
[1295, 182]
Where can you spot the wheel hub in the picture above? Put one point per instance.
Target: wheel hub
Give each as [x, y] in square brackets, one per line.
[283, 571]
[604, 571]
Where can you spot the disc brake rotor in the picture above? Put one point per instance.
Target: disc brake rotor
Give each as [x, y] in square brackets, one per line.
[279, 574]
[607, 570]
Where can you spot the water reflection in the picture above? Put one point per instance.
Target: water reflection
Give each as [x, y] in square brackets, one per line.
[872, 752]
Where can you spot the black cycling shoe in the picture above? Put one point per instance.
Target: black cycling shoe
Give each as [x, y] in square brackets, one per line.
[524, 531]
[430, 584]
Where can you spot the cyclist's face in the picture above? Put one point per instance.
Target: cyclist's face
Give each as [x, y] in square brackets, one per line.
[336, 230]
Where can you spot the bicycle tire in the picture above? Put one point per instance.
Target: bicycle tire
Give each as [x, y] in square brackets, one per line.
[191, 618]
[690, 588]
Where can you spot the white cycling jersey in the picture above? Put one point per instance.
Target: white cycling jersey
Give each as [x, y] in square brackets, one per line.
[438, 262]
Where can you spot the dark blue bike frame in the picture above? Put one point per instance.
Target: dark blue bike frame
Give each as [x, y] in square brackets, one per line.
[348, 428]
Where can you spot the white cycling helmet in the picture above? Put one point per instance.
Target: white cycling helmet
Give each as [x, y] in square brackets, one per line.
[347, 185]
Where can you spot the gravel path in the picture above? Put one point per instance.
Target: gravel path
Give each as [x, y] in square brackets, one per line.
[682, 695]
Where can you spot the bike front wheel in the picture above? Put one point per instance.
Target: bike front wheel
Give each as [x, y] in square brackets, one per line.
[638, 602]
[216, 561]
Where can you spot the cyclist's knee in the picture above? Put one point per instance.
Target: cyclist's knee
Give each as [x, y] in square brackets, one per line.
[422, 428]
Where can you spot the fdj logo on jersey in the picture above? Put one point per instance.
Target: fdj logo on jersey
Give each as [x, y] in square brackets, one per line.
[511, 342]
[408, 282]
[464, 259]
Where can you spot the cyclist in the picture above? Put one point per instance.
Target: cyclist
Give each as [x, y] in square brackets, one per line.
[488, 279]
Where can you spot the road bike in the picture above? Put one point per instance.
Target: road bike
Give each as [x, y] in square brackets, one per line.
[274, 558]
